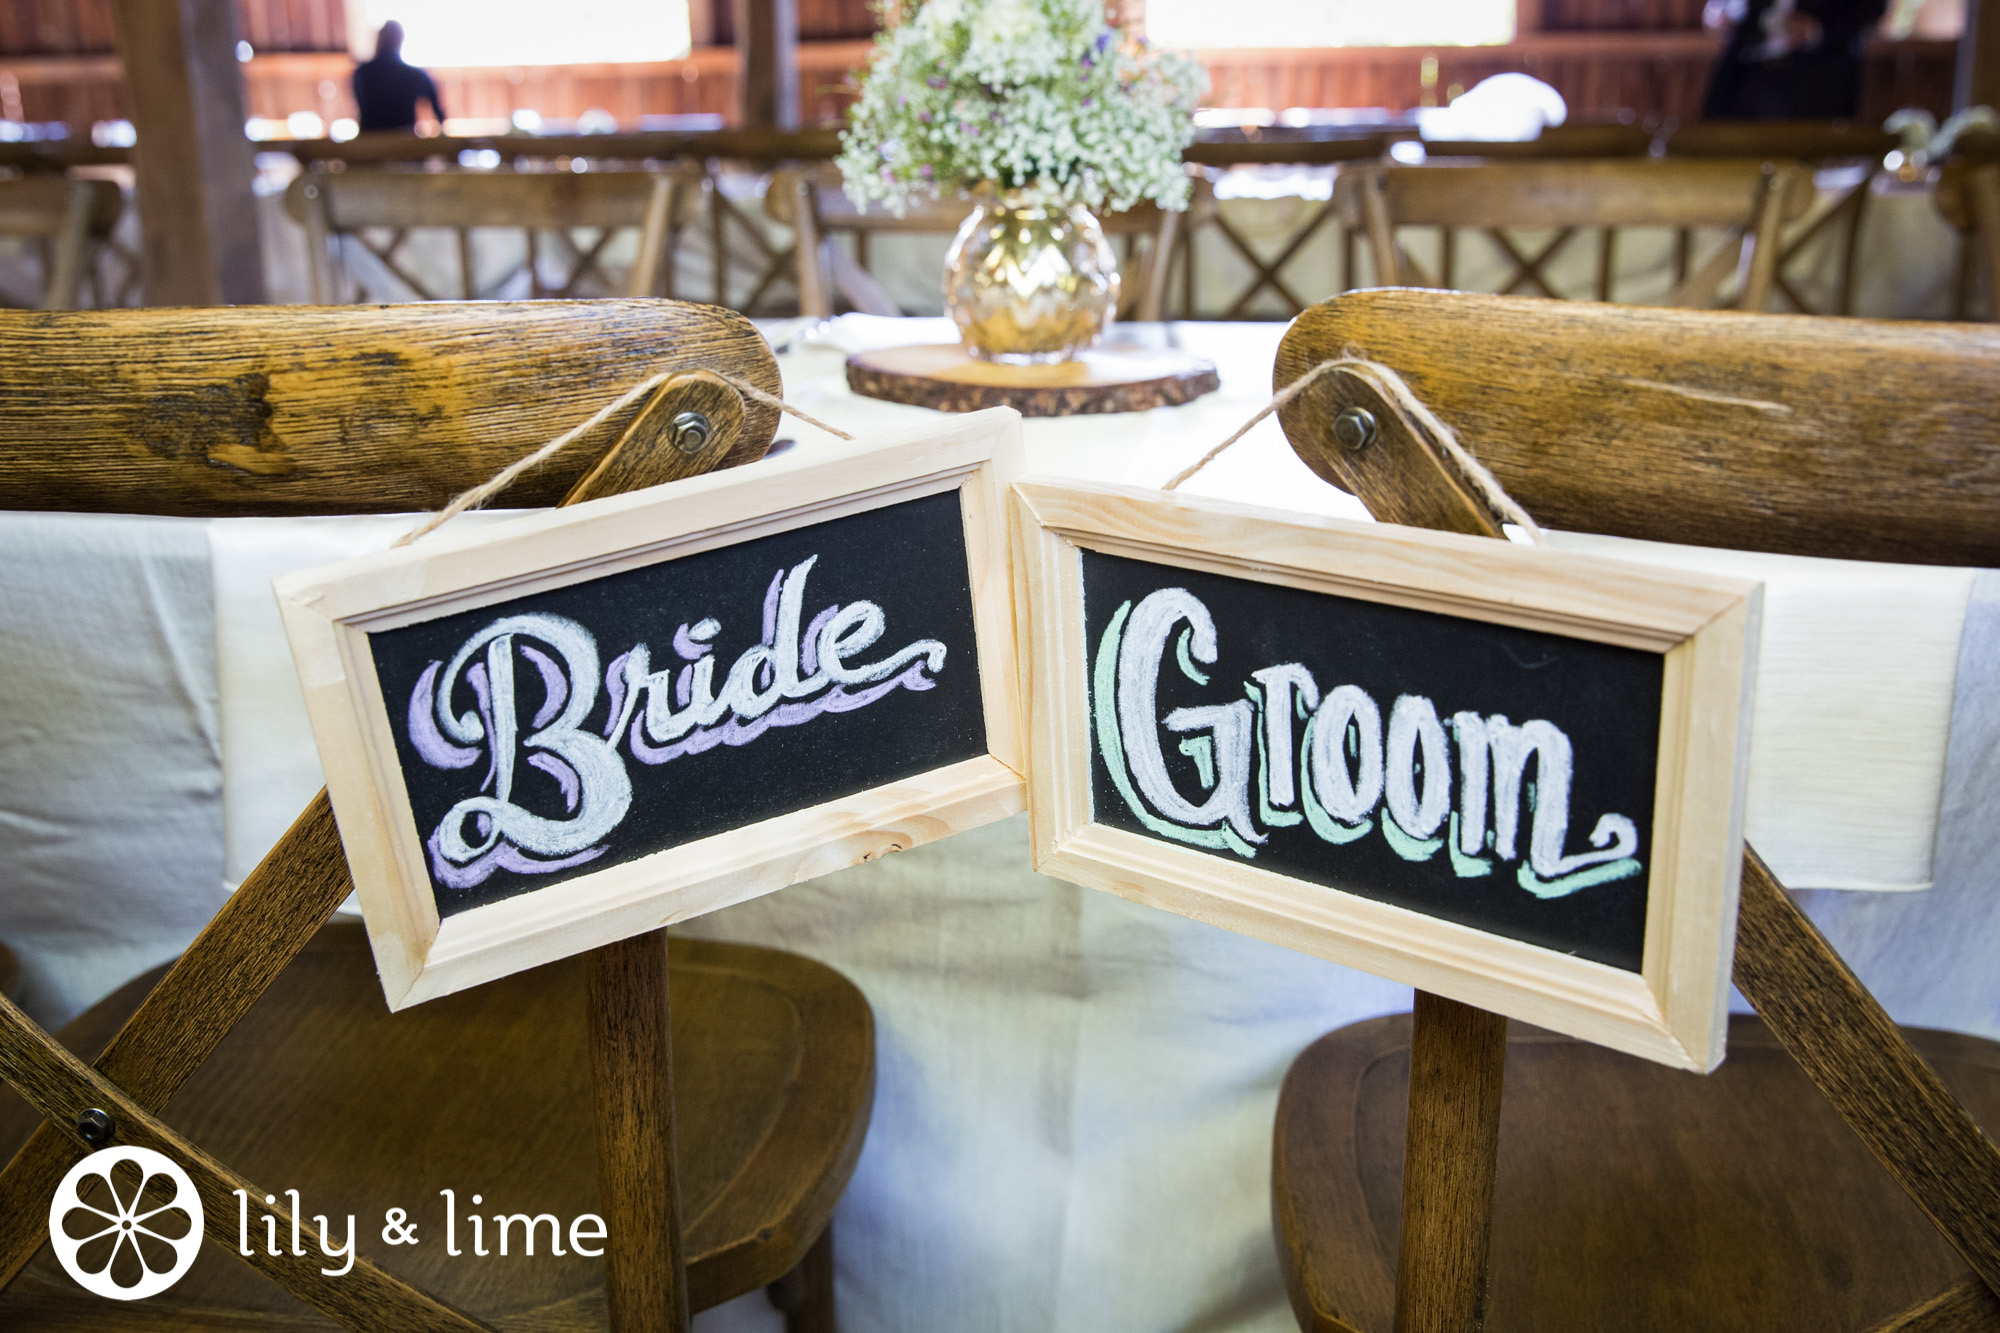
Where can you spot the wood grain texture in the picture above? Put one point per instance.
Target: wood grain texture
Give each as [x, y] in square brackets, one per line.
[1099, 380]
[275, 410]
[490, 1091]
[1893, 1100]
[206, 992]
[1629, 1196]
[653, 452]
[1458, 1059]
[1969, 1307]
[1758, 432]
[632, 1083]
[60, 1086]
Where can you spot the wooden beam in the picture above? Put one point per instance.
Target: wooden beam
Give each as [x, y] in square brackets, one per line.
[1978, 75]
[194, 165]
[767, 64]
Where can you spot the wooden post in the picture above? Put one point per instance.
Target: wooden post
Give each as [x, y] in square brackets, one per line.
[194, 164]
[701, 22]
[1458, 1057]
[631, 1064]
[1977, 82]
[767, 64]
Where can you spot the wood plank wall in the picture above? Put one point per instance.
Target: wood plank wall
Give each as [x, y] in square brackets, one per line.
[1607, 57]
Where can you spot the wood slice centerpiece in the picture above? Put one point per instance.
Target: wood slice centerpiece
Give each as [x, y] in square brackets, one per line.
[1102, 379]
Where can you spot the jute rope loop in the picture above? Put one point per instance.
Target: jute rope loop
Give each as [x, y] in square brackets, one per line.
[506, 476]
[1391, 386]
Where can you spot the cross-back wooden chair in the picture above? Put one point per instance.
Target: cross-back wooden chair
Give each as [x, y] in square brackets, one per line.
[71, 217]
[360, 205]
[1818, 143]
[266, 1053]
[1631, 1196]
[1968, 195]
[809, 199]
[1750, 199]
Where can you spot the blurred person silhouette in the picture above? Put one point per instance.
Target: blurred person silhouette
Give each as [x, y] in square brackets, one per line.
[1788, 59]
[387, 90]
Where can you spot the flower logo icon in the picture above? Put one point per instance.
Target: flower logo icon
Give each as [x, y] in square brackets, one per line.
[126, 1223]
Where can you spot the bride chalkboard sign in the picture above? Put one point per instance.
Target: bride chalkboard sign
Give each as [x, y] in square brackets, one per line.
[562, 731]
[1498, 773]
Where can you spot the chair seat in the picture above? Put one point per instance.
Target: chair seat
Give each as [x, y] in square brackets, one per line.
[1629, 1196]
[487, 1092]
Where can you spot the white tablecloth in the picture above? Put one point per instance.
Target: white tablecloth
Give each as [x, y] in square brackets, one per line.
[1072, 1123]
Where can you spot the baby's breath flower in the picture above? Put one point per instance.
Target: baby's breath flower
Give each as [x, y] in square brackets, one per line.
[1034, 95]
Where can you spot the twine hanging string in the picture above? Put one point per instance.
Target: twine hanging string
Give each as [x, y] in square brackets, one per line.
[1391, 386]
[507, 476]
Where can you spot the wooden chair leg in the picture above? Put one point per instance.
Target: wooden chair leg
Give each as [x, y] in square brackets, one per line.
[1458, 1057]
[1967, 1308]
[805, 1295]
[1846, 1044]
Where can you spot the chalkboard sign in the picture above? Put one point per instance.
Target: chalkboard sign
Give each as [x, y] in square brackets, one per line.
[588, 723]
[1503, 774]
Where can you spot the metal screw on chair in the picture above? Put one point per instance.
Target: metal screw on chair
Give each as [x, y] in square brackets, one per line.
[94, 1127]
[1354, 427]
[691, 431]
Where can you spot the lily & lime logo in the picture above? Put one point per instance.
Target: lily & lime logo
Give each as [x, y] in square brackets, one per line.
[126, 1223]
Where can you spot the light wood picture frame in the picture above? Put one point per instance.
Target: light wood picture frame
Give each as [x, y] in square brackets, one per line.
[343, 621]
[1700, 631]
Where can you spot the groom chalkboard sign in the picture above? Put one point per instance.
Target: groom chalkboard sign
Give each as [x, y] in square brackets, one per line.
[1498, 773]
[555, 733]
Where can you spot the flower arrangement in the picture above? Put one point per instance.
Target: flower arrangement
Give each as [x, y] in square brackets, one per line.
[1040, 96]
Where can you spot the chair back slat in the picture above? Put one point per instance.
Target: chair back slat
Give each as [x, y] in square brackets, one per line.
[39, 205]
[1610, 192]
[1804, 435]
[289, 410]
[477, 199]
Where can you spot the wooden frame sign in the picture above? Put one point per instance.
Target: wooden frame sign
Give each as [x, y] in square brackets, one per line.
[593, 722]
[1502, 774]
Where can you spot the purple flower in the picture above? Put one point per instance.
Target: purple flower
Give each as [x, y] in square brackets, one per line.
[937, 83]
[925, 171]
[1086, 62]
[1086, 101]
[924, 116]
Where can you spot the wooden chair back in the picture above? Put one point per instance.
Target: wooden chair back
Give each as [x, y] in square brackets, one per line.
[1768, 433]
[810, 200]
[72, 217]
[1799, 140]
[1968, 195]
[334, 204]
[282, 411]
[1750, 198]
[1555, 141]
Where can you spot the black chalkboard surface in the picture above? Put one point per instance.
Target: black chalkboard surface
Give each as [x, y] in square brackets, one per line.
[1508, 775]
[645, 709]
[1451, 766]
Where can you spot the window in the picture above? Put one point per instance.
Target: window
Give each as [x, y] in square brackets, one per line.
[533, 32]
[1203, 23]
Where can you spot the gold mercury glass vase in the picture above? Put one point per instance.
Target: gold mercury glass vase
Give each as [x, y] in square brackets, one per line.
[1029, 282]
